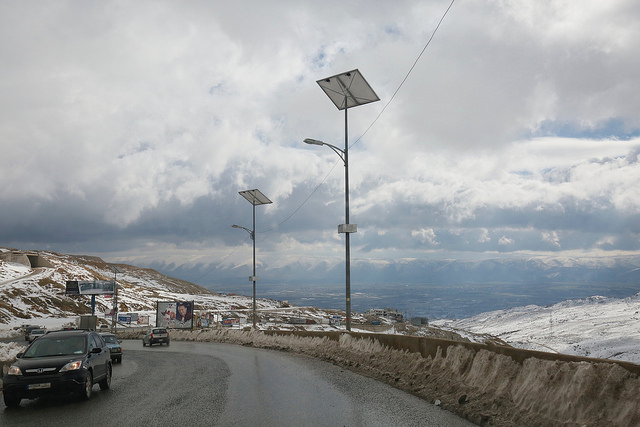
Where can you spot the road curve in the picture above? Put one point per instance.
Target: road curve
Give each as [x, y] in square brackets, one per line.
[207, 384]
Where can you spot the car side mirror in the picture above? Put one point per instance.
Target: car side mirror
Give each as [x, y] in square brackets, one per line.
[96, 350]
[19, 355]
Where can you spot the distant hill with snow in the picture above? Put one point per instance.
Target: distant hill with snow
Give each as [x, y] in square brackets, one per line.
[33, 293]
[607, 328]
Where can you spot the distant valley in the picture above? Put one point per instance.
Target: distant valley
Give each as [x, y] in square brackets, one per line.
[435, 289]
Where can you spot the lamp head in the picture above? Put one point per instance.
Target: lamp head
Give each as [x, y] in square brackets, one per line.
[313, 141]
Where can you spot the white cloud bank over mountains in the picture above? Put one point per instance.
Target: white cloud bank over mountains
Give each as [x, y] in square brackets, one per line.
[127, 130]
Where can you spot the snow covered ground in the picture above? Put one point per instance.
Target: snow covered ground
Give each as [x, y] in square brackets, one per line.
[598, 327]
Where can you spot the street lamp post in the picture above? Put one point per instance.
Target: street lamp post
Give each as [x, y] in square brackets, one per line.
[346, 90]
[114, 318]
[256, 198]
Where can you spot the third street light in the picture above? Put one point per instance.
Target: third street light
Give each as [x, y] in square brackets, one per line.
[346, 90]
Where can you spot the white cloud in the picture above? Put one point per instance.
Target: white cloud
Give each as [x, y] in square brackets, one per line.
[505, 241]
[425, 236]
[135, 125]
[551, 237]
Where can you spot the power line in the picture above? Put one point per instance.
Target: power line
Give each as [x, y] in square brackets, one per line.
[407, 75]
[377, 117]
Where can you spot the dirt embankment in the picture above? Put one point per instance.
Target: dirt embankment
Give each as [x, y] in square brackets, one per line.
[484, 386]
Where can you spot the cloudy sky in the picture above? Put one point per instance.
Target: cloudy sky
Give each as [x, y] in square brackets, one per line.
[127, 129]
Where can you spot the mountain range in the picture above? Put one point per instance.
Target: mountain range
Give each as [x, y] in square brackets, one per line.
[535, 269]
[446, 288]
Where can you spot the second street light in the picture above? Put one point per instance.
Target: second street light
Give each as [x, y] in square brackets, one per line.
[346, 90]
[256, 198]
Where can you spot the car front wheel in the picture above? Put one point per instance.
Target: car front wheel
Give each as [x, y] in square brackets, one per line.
[10, 400]
[85, 394]
[105, 384]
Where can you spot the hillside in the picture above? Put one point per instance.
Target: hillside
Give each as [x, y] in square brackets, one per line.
[37, 295]
[599, 327]
[31, 293]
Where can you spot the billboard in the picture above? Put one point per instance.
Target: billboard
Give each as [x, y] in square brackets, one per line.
[175, 314]
[230, 321]
[93, 287]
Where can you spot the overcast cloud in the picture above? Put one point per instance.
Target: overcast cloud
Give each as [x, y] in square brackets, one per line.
[128, 128]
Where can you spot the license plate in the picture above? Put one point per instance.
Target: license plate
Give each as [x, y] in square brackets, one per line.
[38, 386]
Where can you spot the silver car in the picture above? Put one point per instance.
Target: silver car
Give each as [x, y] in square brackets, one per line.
[36, 333]
[155, 336]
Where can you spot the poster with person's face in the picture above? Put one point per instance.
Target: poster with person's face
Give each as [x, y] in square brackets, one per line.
[184, 314]
[175, 314]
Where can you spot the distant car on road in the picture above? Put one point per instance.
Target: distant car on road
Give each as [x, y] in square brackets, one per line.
[36, 333]
[27, 330]
[59, 362]
[155, 336]
[114, 347]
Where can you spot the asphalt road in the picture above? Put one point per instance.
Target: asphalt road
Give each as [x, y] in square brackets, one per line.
[204, 384]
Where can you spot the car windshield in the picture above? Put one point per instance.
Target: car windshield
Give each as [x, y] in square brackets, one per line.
[59, 346]
[159, 331]
[110, 339]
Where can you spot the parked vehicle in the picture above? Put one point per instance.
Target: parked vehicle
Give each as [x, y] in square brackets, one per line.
[87, 321]
[114, 347]
[36, 333]
[155, 336]
[28, 329]
[59, 362]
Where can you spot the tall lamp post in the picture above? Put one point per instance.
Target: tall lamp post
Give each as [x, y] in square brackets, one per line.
[114, 318]
[346, 90]
[256, 198]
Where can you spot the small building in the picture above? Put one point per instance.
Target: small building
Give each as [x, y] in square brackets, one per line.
[387, 313]
[420, 321]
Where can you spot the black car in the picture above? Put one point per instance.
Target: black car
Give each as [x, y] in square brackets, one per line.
[59, 362]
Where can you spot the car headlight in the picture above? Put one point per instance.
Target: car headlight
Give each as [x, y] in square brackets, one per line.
[14, 370]
[72, 366]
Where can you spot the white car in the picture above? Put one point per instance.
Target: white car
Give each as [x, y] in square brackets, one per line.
[155, 336]
[36, 333]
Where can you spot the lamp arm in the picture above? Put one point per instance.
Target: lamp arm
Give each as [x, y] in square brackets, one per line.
[245, 229]
[338, 151]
